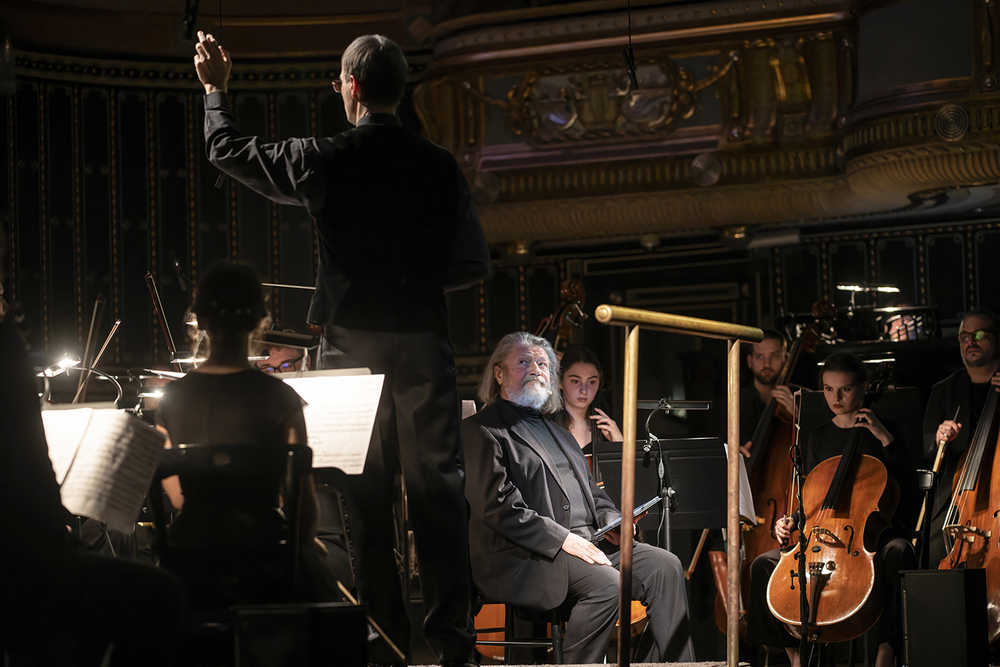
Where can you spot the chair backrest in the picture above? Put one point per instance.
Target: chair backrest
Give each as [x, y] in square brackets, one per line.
[285, 464]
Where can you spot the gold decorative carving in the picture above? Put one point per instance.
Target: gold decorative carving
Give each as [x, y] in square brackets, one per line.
[874, 183]
[596, 101]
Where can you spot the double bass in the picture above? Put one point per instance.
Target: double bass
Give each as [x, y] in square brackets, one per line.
[971, 527]
[848, 500]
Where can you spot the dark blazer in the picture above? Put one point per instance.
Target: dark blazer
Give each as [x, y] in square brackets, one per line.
[519, 512]
[394, 215]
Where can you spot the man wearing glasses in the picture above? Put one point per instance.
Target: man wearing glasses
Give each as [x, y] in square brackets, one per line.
[397, 229]
[963, 392]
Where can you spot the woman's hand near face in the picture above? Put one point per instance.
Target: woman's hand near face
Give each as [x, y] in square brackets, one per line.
[608, 426]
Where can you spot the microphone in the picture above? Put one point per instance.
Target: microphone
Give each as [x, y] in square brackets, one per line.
[645, 454]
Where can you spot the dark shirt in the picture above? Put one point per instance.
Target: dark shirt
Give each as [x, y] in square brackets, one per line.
[248, 407]
[956, 392]
[394, 215]
[581, 518]
[828, 440]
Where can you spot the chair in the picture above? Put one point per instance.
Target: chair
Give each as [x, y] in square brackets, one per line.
[286, 464]
[552, 617]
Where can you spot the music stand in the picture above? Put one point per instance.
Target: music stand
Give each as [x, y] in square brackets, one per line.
[694, 481]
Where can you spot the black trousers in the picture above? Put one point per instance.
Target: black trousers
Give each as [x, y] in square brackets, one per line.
[893, 555]
[416, 431]
[657, 581]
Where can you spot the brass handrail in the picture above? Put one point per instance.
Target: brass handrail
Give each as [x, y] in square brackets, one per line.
[634, 319]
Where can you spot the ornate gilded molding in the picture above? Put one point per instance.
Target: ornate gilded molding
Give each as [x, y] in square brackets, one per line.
[874, 183]
[163, 75]
[659, 174]
[596, 101]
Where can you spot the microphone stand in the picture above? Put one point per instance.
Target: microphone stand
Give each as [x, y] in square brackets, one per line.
[803, 541]
[799, 473]
[667, 492]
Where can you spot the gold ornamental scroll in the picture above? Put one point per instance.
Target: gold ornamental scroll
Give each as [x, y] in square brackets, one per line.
[633, 320]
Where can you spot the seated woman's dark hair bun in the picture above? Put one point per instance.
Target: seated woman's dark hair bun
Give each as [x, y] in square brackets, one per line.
[229, 300]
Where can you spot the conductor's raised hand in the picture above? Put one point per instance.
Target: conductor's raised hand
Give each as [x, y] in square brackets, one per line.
[575, 545]
[212, 64]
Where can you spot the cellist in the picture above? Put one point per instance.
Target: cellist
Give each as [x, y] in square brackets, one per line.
[765, 361]
[844, 385]
[962, 393]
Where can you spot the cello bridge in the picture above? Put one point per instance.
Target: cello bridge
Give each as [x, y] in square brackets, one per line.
[967, 533]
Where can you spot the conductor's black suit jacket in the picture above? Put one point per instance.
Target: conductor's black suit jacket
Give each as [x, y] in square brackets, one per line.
[519, 511]
[396, 224]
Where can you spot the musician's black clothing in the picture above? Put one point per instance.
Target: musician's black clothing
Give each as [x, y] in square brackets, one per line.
[524, 474]
[893, 552]
[955, 392]
[58, 604]
[397, 229]
[226, 543]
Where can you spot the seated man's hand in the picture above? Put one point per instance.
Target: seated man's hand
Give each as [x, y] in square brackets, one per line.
[745, 449]
[575, 545]
[615, 536]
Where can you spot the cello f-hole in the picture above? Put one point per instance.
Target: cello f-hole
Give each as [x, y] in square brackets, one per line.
[850, 542]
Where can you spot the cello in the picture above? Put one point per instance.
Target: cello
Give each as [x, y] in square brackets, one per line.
[848, 500]
[971, 525]
[770, 475]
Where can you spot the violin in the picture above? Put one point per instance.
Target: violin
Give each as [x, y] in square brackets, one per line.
[971, 525]
[848, 501]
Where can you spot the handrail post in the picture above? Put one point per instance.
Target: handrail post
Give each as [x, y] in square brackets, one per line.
[632, 319]
[733, 510]
[631, 388]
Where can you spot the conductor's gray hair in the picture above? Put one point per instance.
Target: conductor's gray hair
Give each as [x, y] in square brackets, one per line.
[379, 66]
[489, 389]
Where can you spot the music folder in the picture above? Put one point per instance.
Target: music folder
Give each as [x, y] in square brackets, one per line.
[103, 459]
[599, 535]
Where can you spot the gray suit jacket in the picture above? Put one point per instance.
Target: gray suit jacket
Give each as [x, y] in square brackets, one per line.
[519, 512]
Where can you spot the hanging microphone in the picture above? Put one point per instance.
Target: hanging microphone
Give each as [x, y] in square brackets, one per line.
[645, 454]
[629, 58]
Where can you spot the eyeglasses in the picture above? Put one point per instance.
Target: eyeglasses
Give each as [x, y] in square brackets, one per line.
[338, 83]
[286, 367]
[976, 336]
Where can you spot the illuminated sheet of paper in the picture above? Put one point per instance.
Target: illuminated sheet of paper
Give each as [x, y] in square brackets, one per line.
[340, 416]
[104, 460]
[747, 513]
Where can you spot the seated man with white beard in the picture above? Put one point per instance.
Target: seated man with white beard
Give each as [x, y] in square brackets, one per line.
[534, 508]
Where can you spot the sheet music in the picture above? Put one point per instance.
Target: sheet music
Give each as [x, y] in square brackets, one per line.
[105, 460]
[747, 512]
[340, 416]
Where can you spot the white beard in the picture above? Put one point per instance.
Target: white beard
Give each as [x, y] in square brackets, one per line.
[532, 394]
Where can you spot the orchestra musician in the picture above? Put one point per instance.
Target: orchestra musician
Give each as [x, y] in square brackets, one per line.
[58, 603]
[227, 534]
[765, 361]
[397, 229]
[844, 385]
[964, 392]
[534, 508]
[580, 379]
